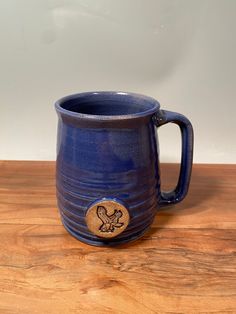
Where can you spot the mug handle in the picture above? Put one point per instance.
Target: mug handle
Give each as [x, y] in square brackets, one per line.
[178, 194]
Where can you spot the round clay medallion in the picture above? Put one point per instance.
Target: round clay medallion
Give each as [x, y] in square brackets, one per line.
[107, 218]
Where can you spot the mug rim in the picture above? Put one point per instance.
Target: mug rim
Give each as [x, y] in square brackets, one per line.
[140, 97]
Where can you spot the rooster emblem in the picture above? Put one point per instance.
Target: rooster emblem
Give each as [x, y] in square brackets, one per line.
[109, 222]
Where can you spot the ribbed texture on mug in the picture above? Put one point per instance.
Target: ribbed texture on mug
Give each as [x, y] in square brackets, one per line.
[77, 189]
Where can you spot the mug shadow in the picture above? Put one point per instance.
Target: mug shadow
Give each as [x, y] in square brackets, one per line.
[202, 190]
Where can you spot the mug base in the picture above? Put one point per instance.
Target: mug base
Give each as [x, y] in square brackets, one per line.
[102, 243]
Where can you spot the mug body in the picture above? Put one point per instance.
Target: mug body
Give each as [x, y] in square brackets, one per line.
[107, 173]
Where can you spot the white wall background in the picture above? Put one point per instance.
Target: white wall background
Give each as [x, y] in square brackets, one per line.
[181, 52]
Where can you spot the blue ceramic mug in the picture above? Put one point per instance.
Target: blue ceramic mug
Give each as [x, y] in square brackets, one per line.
[108, 175]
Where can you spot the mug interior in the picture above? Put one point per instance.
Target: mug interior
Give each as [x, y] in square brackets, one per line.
[108, 104]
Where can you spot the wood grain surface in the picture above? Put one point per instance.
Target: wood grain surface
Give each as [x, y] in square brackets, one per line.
[186, 263]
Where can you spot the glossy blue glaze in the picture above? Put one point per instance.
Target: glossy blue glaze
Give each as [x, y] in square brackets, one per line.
[107, 148]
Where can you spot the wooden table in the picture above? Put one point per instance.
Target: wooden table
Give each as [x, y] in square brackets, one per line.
[186, 263]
